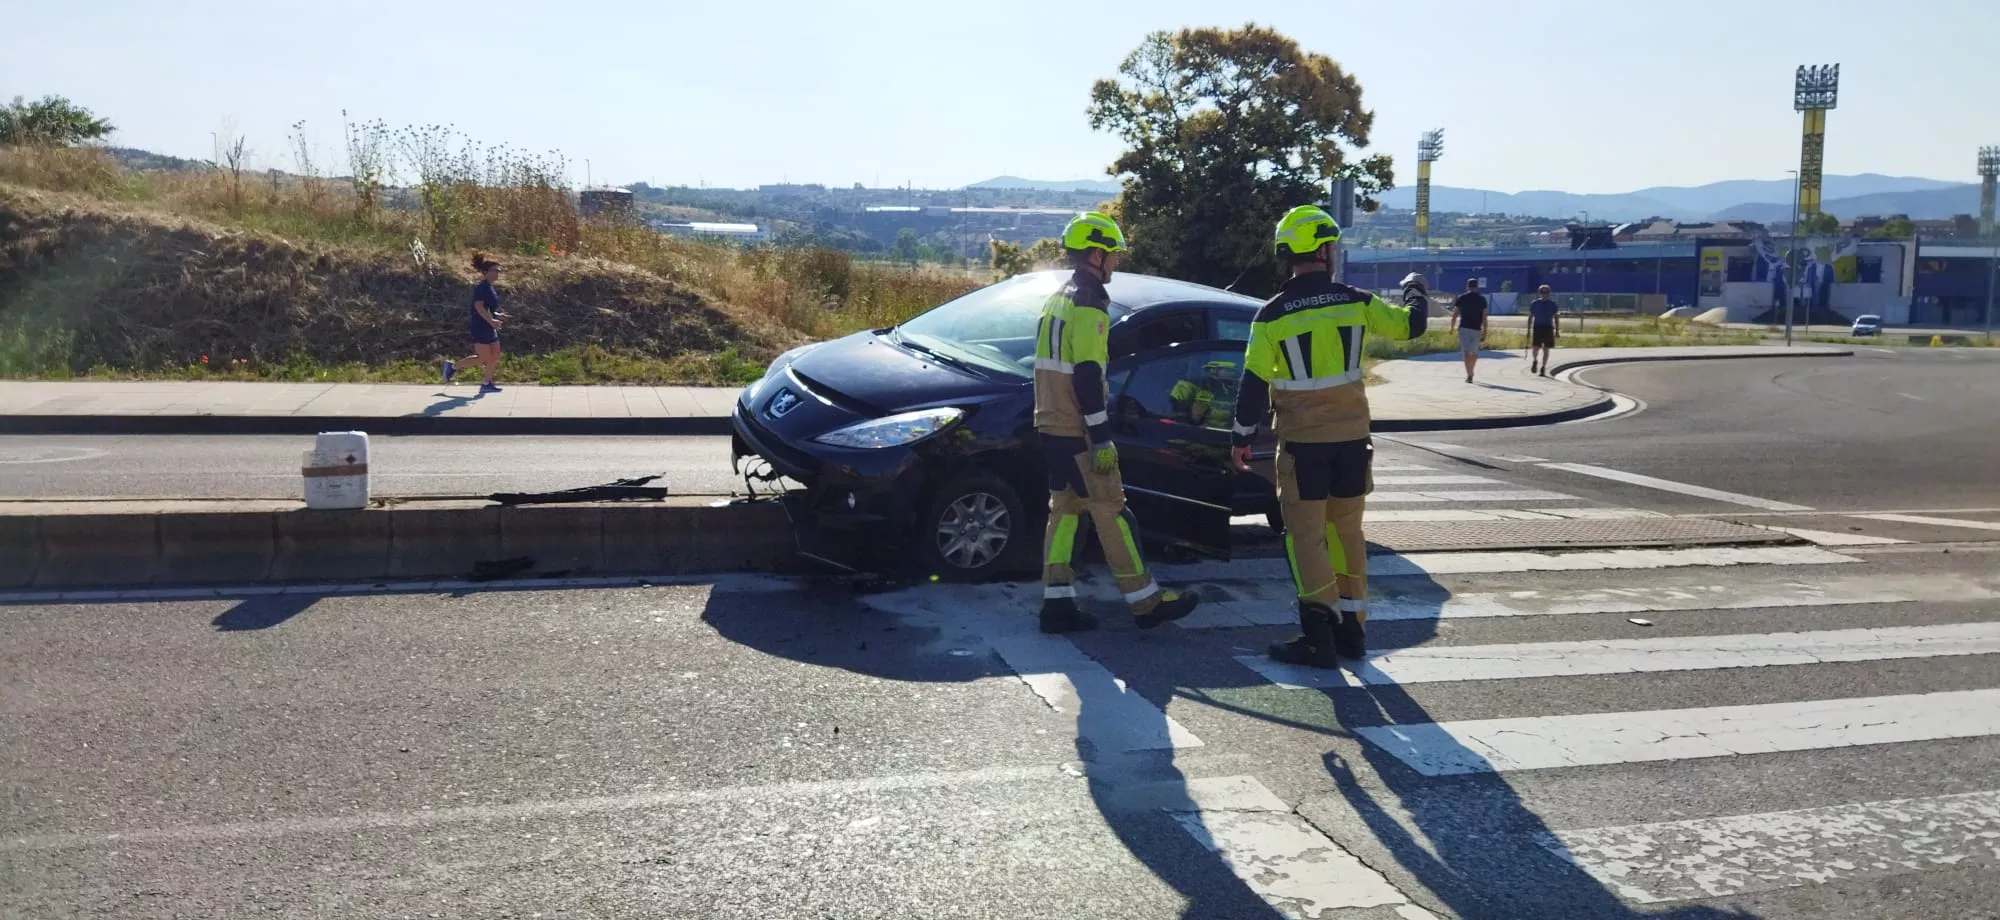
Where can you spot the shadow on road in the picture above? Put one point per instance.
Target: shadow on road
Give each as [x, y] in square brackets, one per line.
[447, 402]
[1495, 386]
[265, 612]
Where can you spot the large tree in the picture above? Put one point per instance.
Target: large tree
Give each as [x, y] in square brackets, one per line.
[1225, 131]
[51, 121]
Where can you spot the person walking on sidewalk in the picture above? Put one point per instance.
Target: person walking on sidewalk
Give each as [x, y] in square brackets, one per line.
[1468, 319]
[484, 323]
[1071, 349]
[1304, 363]
[1541, 331]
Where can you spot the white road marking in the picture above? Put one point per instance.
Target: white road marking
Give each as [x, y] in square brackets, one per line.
[1107, 714]
[1458, 515]
[1467, 495]
[1746, 854]
[1547, 742]
[1434, 479]
[1908, 396]
[1392, 565]
[1517, 458]
[1271, 605]
[1934, 521]
[1667, 485]
[1512, 661]
[1280, 856]
[1834, 538]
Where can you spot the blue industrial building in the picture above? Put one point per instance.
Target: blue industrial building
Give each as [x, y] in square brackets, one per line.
[1903, 281]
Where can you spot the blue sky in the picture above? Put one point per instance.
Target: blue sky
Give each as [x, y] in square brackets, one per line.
[1533, 94]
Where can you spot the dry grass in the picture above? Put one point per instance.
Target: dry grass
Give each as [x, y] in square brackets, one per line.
[112, 272]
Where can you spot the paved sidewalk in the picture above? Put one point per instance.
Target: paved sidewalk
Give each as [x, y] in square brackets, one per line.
[1426, 393]
[1430, 392]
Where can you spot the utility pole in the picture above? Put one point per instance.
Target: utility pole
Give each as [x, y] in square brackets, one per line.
[1791, 252]
[1989, 171]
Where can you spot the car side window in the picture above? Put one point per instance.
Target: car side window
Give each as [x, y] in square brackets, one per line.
[1232, 329]
[1192, 387]
[1145, 333]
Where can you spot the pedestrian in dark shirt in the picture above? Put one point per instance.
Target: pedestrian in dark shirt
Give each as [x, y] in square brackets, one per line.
[483, 321]
[1468, 318]
[1541, 331]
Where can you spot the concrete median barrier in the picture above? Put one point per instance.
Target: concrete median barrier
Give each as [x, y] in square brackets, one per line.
[87, 550]
[148, 544]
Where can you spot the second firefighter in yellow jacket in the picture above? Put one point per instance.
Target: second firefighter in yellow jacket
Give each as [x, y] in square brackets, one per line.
[1304, 364]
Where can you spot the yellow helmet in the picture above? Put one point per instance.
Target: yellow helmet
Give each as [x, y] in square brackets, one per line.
[1091, 230]
[1305, 229]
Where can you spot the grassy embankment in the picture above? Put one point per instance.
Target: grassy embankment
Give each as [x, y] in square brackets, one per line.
[110, 273]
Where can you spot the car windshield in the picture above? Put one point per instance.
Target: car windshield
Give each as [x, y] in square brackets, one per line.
[1869, 318]
[993, 327]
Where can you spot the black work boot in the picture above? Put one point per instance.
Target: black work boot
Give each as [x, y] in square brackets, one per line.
[1059, 615]
[1313, 647]
[1172, 606]
[1350, 640]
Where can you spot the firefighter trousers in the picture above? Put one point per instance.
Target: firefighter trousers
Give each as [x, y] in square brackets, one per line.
[1077, 490]
[1321, 490]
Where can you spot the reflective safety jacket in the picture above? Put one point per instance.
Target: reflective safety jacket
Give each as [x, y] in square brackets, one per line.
[1072, 345]
[1304, 359]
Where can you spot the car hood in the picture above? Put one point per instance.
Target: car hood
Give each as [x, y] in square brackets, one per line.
[873, 373]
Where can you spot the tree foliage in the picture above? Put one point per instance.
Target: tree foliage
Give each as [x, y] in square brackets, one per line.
[906, 249]
[51, 121]
[1819, 224]
[1225, 130]
[1897, 227]
[1008, 259]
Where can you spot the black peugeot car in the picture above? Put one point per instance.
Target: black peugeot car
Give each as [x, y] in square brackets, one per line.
[916, 444]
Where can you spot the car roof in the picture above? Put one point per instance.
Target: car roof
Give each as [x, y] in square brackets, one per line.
[1136, 292]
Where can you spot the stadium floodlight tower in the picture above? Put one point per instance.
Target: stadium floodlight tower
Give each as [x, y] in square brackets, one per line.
[1989, 171]
[1815, 91]
[1429, 148]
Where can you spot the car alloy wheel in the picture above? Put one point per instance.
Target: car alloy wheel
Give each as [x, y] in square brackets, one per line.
[973, 530]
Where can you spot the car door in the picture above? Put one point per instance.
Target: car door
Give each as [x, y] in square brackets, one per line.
[1171, 412]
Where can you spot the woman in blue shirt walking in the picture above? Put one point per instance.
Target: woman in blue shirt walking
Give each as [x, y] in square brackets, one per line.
[483, 321]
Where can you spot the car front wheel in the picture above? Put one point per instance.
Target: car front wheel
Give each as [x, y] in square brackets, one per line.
[972, 527]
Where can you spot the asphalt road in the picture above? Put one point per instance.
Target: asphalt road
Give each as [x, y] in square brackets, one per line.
[1886, 429]
[762, 748]
[268, 467]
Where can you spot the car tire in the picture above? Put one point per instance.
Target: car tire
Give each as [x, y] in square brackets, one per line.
[973, 528]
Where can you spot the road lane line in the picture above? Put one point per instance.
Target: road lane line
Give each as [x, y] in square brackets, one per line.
[1747, 854]
[1436, 479]
[1933, 521]
[1833, 538]
[1110, 716]
[1514, 661]
[1394, 565]
[1467, 495]
[1548, 742]
[1667, 485]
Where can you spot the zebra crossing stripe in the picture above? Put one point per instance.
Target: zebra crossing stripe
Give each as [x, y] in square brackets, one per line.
[1548, 742]
[1430, 664]
[1434, 479]
[1932, 521]
[1393, 565]
[1276, 853]
[1107, 715]
[1746, 854]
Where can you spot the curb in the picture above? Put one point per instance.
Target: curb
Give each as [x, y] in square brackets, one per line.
[384, 425]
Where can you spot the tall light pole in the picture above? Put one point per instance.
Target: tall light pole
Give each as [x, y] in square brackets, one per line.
[1815, 91]
[1430, 148]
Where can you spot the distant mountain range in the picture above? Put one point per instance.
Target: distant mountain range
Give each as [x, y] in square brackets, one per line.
[1845, 197]
[1100, 186]
[1742, 199]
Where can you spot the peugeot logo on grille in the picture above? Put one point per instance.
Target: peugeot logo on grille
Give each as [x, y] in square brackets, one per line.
[782, 404]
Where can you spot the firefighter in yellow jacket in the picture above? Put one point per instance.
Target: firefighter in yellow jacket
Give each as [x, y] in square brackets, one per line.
[1304, 360]
[1071, 349]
